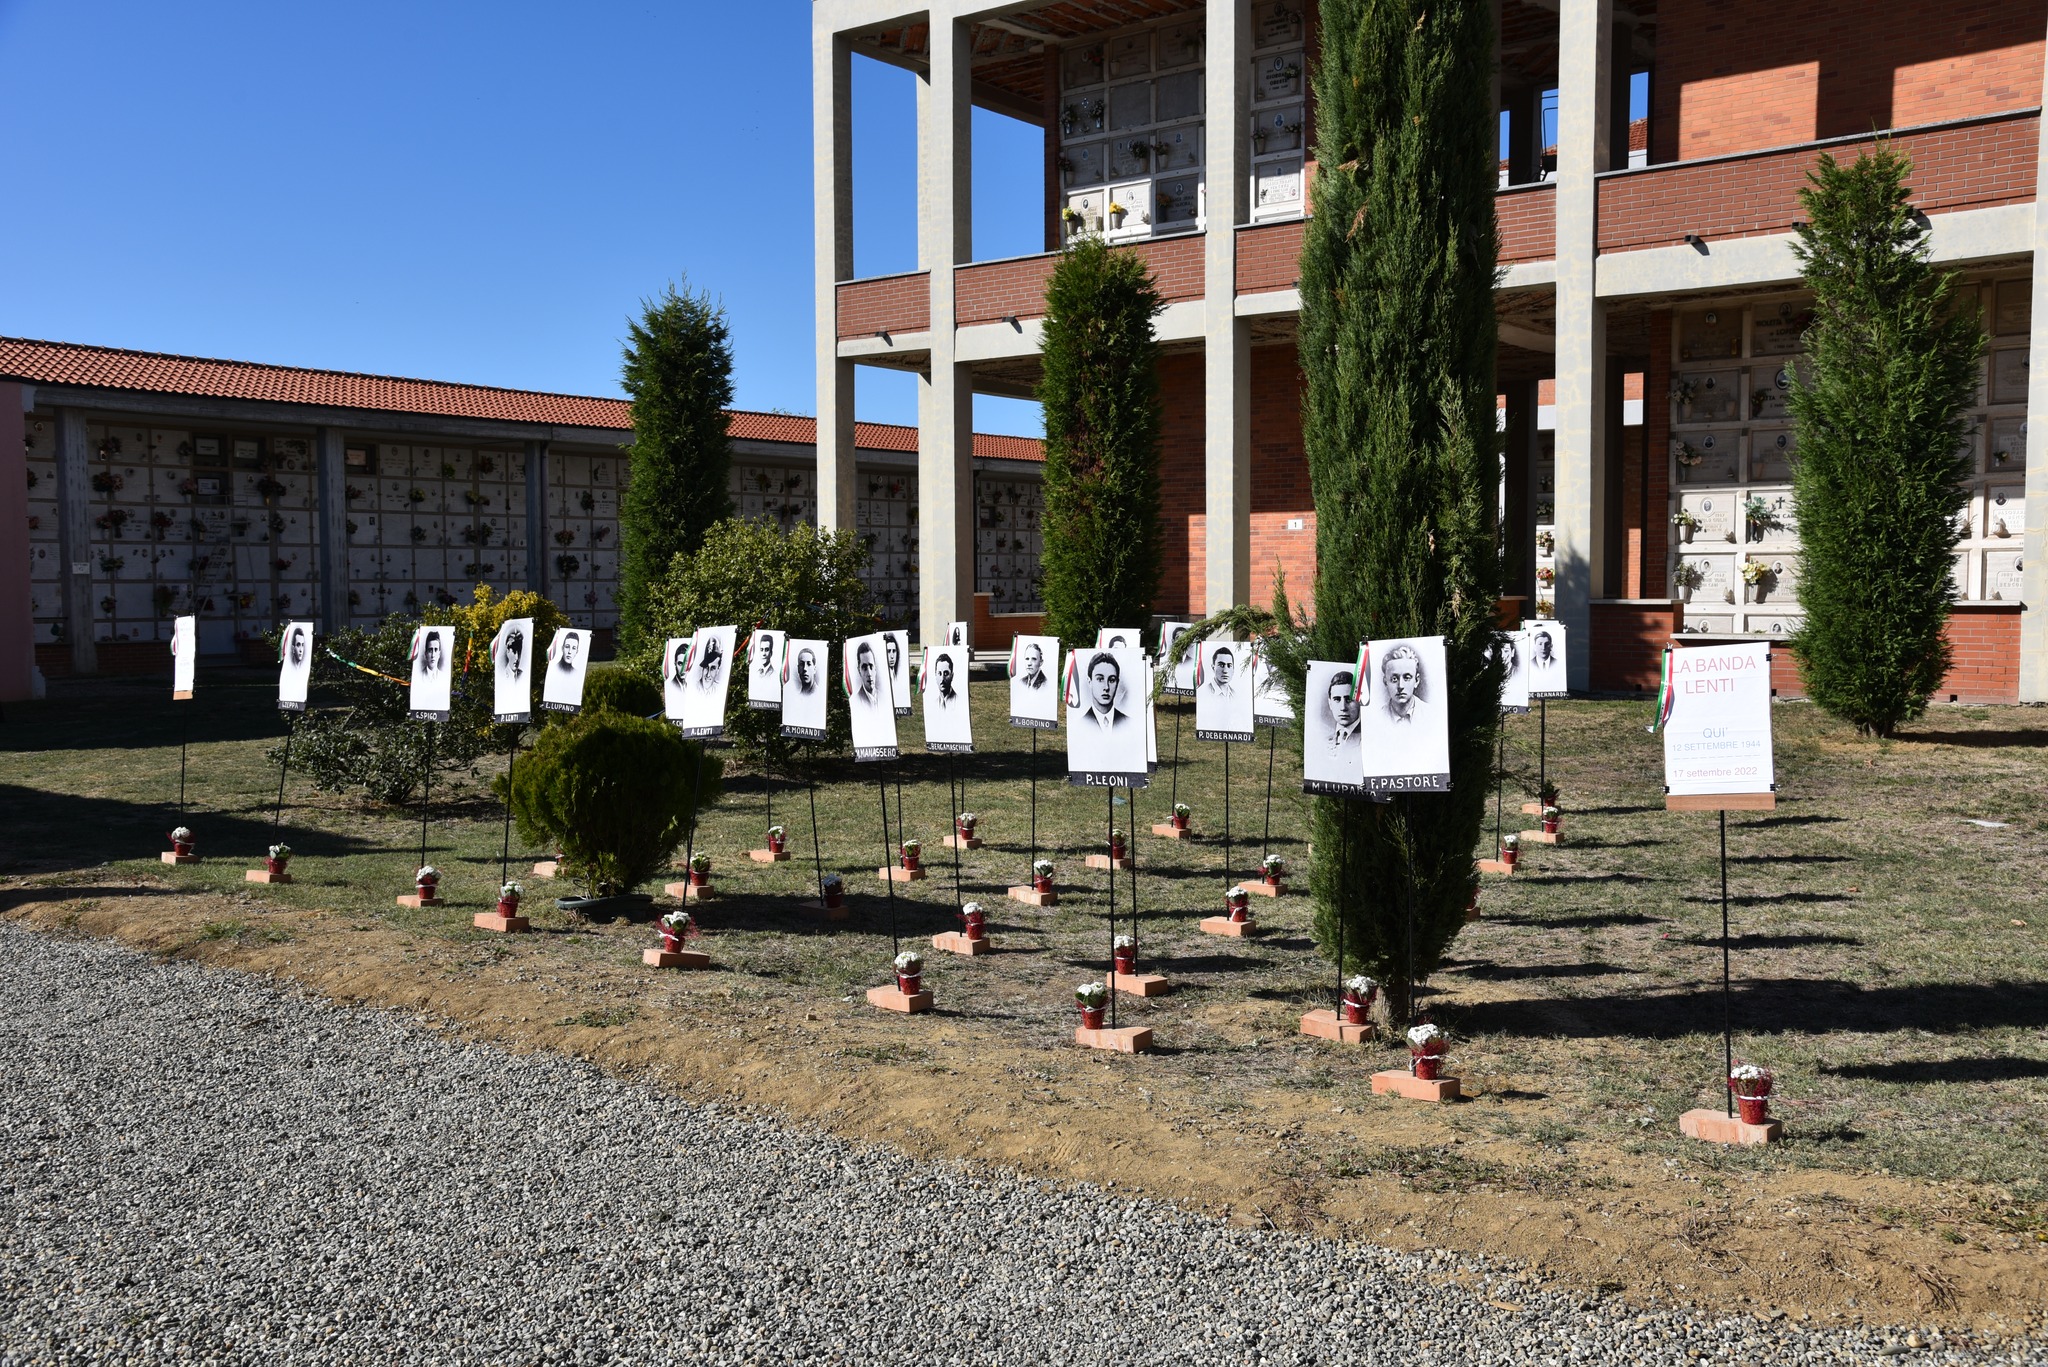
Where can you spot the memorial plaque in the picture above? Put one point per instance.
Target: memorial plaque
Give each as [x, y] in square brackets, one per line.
[2009, 375]
[1277, 130]
[1277, 77]
[1706, 457]
[1709, 396]
[1959, 572]
[1088, 204]
[1276, 22]
[1131, 156]
[1177, 201]
[1780, 587]
[1277, 184]
[1177, 149]
[1710, 334]
[1778, 625]
[1770, 390]
[1779, 526]
[2013, 308]
[1716, 514]
[1130, 55]
[2008, 446]
[2002, 571]
[1777, 328]
[1081, 64]
[1717, 580]
[2005, 512]
[1770, 455]
[1130, 106]
[1180, 96]
[1181, 44]
[1136, 198]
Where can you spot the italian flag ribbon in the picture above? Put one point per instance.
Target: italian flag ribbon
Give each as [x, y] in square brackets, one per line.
[1070, 687]
[1358, 670]
[1667, 696]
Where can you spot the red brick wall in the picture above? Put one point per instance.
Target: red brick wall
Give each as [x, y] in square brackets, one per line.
[1627, 646]
[1269, 257]
[1986, 667]
[996, 290]
[1280, 488]
[1971, 166]
[887, 303]
[996, 630]
[1183, 492]
[1528, 222]
[1740, 75]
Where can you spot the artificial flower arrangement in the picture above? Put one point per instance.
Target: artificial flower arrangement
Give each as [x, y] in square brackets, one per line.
[1274, 867]
[1427, 1045]
[975, 920]
[1041, 875]
[1123, 951]
[1752, 1083]
[1359, 992]
[1239, 901]
[1091, 999]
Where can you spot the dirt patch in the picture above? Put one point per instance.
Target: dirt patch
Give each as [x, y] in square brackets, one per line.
[1505, 1175]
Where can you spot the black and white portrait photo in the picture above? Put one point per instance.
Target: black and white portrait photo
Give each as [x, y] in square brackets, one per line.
[1407, 734]
[1270, 704]
[1182, 682]
[433, 673]
[1546, 664]
[947, 729]
[956, 633]
[764, 670]
[804, 695]
[561, 684]
[184, 655]
[1223, 691]
[869, 696]
[1034, 682]
[1511, 649]
[1118, 638]
[511, 681]
[295, 666]
[710, 677]
[1332, 757]
[898, 652]
[1106, 714]
[675, 677]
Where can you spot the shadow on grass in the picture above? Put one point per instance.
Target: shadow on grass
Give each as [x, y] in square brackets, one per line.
[1591, 918]
[68, 831]
[1809, 819]
[1742, 942]
[1771, 1005]
[1515, 972]
[1977, 740]
[1946, 1070]
[1790, 859]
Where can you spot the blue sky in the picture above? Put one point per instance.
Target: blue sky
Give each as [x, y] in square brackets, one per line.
[453, 190]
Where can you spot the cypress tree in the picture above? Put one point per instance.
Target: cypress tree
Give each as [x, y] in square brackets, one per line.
[1398, 268]
[678, 373]
[1881, 469]
[1100, 390]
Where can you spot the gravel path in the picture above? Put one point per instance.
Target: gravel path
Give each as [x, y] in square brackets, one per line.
[196, 1166]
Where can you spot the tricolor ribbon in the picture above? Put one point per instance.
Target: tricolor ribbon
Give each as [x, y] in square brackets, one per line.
[1667, 696]
[1358, 671]
[924, 669]
[373, 673]
[1070, 687]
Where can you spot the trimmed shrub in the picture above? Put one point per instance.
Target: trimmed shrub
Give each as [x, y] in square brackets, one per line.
[620, 690]
[614, 794]
[1100, 389]
[1882, 465]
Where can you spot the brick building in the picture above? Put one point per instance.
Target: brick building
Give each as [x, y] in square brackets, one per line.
[151, 486]
[1649, 262]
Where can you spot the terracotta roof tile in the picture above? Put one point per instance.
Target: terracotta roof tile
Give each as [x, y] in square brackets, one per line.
[39, 362]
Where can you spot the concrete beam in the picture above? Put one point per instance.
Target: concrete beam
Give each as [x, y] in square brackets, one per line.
[832, 259]
[945, 445]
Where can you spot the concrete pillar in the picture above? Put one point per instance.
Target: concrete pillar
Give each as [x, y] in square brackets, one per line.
[74, 538]
[1584, 122]
[17, 610]
[832, 247]
[537, 530]
[945, 407]
[1226, 340]
[330, 525]
[2034, 578]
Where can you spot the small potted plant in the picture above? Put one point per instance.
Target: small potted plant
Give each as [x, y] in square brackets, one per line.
[910, 973]
[1510, 849]
[1546, 576]
[1427, 1045]
[1116, 846]
[1686, 578]
[912, 851]
[1124, 952]
[1239, 902]
[1181, 813]
[833, 888]
[181, 842]
[777, 838]
[1071, 217]
[975, 920]
[1273, 869]
[1116, 214]
[1546, 793]
[1686, 524]
[1093, 1000]
[1041, 876]
[1751, 1083]
[675, 927]
[427, 882]
[1359, 992]
[509, 896]
[700, 870]
[1755, 574]
[275, 861]
[1551, 816]
[963, 826]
